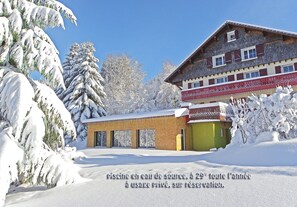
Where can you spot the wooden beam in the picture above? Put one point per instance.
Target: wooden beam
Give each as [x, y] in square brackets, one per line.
[190, 61]
[284, 37]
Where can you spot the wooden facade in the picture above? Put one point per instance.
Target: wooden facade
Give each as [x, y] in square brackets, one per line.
[274, 49]
[201, 127]
[166, 128]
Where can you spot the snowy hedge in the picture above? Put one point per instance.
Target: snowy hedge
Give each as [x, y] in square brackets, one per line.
[265, 118]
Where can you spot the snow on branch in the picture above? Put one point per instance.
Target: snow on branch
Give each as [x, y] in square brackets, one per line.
[265, 118]
[33, 121]
[57, 116]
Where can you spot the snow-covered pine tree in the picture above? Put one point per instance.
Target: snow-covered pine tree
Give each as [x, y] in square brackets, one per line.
[125, 91]
[68, 70]
[32, 118]
[84, 91]
[162, 95]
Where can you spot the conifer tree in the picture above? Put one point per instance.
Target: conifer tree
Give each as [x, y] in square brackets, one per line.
[33, 120]
[84, 91]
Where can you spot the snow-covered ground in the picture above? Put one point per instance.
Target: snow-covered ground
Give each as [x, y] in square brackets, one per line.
[268, 173]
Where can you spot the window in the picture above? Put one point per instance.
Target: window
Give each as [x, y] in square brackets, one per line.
[222, 132]
[248, 53]
[100, 138]
[122, 138]
[252, 75]
[195, 85]
[218, 60]
[222, 80]
[231, 36]
[288, 68]
[147, 138]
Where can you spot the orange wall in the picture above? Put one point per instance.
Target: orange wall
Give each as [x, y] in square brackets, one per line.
[166, 129]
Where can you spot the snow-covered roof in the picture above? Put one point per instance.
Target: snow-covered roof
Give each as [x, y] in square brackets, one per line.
[203, 120]
[168, 112]
[233, 23]
[185, 104]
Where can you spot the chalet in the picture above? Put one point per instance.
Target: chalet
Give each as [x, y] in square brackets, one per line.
[236, 60]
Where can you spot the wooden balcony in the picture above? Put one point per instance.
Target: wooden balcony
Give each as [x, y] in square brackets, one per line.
[211, 111]
[242, 86]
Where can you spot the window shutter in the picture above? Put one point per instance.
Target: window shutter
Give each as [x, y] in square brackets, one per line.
[295, 66]
[189, 85]
[225, 37]
[201, 83]
[230, 78]
[263, 72]
[239, 76]
[236, 34]
[228, 58]
[209, 62]
[237, 55]
[211, 81]
[260, 50]
[278, 69]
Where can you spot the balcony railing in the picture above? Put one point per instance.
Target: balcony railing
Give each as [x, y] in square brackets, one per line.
[242, 86]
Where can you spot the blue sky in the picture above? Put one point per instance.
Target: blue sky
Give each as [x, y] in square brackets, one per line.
[155, 31]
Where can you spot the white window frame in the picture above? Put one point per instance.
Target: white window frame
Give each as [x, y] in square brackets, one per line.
[215, 62]
[283, 68]
[250, 75]
[231, 36]
[198, 85]
[248, 49]
[225, 80]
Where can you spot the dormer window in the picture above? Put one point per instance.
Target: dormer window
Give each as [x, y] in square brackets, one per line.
[231, 36]
[218, 60]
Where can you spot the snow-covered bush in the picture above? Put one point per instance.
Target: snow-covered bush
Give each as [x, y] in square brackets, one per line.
[70, 153]
[84, 91]
[32, 118]
[265, 118]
